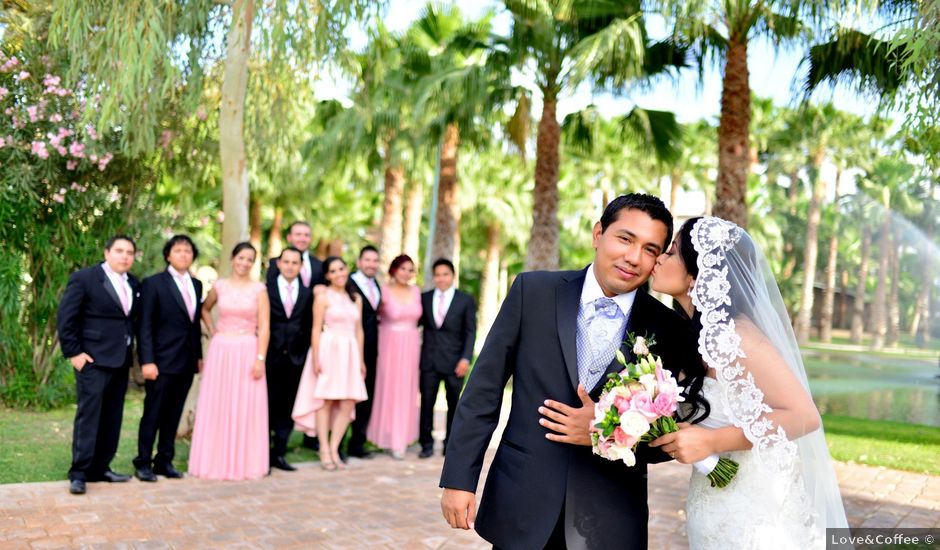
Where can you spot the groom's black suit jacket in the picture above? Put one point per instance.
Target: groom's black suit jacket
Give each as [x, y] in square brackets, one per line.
[532, 479]
[167, 335]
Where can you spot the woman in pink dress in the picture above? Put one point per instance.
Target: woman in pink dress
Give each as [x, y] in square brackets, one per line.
[334, 382]
[394, 423]
[230, 438]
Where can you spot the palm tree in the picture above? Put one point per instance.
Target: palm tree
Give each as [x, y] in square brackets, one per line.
[562, 43]
[725, 29]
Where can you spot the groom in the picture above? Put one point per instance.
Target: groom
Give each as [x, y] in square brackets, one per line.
[556, 334]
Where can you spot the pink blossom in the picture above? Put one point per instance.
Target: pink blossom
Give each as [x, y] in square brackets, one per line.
[8, 111]
[3, 143]
[103, 162]
[92, 133]
[55, 117]
[59, 198]
[61, 150]
[80, 188]
[50, 80]
[643, 404]
[23, 75]
[77, 149]
[64, 132]
[62, 92]
[17, 123]
[93, 158]
[54, 139]
[624, 439]
[39, 149]
[665, 404]
[33, 112]
[3, 92]
[71, 164]
[9, 64]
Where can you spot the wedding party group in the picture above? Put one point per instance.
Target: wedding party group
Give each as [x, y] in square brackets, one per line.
[593, 355]
[314, 348]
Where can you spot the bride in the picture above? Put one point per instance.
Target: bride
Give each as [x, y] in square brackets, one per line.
[762, 416]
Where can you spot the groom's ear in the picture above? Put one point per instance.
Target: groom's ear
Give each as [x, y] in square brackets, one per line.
[598, 231]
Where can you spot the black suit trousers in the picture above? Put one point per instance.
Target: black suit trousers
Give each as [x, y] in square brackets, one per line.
[357, 438]
[163, 407]
[97, 427]
[283, 377]
[430, 382]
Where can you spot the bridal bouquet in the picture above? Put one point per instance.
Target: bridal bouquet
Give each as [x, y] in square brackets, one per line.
[638, 404]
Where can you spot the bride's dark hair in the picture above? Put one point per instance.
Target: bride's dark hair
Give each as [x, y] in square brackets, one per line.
[698, 405]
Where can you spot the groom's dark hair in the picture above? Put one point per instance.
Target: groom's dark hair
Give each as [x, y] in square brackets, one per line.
[638, 201]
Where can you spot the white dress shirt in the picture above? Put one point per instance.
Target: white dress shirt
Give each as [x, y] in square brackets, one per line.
[435, 304]
[365, 283]
[282, 290]
[591, 290]
[119, 280]
[186, 285]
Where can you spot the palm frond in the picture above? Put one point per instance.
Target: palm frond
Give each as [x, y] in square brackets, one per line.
[658, 131]
[859, 60]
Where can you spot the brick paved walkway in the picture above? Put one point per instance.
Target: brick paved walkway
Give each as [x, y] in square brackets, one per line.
[378, 503]
[381, 503]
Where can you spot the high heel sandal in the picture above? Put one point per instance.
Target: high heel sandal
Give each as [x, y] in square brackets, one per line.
[328, 466]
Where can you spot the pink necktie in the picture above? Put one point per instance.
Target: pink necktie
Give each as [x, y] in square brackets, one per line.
[373, 298]
[440, 310]
[125, 299]
[289, 302]
[305, 274]
[184, 290]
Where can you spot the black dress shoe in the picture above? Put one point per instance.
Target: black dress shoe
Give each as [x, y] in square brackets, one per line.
[77, 486]
[281, 464]
[145, 474]
[111, 477]
[168, 471]
[426, 452]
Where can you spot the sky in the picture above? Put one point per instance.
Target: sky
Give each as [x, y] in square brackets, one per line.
[774, 73]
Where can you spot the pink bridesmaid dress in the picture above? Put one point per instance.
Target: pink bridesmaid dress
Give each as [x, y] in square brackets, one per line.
[394, 422]
[340, 357]
[230, 438]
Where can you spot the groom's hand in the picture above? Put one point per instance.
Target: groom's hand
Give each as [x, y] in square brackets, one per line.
[572, 424]
[459, 508]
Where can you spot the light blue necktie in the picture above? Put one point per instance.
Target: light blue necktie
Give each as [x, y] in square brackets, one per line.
[600, 332]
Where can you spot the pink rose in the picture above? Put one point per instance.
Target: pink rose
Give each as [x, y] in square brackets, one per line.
[624, 439]
[665, 404]
[643, 404]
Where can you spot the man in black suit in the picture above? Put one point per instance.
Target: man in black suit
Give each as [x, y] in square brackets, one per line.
[450, 329]
[170, 352]
[365, 284]
[311, 271]
[545, 488]
[291, 321]
[96, 333]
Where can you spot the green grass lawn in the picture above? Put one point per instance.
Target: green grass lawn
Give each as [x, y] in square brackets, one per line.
[36, 446]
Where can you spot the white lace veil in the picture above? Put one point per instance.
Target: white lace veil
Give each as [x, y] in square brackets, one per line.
[734, 285]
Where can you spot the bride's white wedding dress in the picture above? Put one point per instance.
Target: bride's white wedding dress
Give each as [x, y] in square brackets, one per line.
[756, 510]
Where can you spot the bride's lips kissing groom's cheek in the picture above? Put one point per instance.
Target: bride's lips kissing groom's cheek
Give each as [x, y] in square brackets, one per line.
[626, 252]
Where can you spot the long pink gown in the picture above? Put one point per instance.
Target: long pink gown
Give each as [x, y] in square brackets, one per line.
[230, 438]
[341, 359]
[394, 422]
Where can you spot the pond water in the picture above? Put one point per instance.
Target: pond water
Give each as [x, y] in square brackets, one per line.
[901, 389]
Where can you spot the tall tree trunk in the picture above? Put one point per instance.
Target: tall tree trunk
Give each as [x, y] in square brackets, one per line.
[412, 233]
[793, 194]
[922, 308]
[390, 238]
[675, 185]
[829, 298]
[843, 299]
[858, 309]
[805, 316]
[543, 238]
[894, 306]
[275, 244]
[733, 128]
[446, 242]
[489, 284]
[231, 130]
[254, 233]
[879, 307]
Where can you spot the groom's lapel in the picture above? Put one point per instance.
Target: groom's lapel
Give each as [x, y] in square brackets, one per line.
[636, 325]
[567, 300]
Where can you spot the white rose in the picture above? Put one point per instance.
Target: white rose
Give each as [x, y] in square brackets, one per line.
[639, 347]
[622, 453]
[649, 382]
[634, 424]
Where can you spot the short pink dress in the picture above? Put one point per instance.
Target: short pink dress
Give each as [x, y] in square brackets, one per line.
[230, 438]
[341, 359]
[394, 422]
